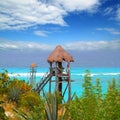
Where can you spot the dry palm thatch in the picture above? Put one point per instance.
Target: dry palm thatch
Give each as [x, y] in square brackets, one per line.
[59, 55]
[33, 65]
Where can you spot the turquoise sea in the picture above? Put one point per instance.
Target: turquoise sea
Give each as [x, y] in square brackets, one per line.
[77, 74]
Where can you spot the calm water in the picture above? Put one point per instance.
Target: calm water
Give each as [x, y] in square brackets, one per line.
[77, 74]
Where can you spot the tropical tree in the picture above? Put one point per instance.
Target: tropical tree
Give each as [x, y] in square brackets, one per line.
[87, 84]
[111, 104]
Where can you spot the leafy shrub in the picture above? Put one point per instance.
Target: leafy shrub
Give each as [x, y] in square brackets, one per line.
[92, 105]
[16, 88]
[31, 107]
[112, 102]
[4, 82]
[4, 78]
[2, 112]
[87, 85]
[30, 99]
[51, 106]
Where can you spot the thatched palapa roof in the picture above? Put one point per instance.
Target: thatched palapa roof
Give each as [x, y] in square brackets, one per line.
[33, 65]
[59, 55]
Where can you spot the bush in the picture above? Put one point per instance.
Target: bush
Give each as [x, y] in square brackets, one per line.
[4, 78]
[4, 82]
[30, 99]
[112, 102]
[2, 112]
[16, 88]
[92, 105]
[31, 107]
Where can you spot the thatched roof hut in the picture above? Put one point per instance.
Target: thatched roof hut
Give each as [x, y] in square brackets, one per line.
[33, 65]
[59, 55]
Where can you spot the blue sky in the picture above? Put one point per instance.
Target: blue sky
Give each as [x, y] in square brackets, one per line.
[90, 28]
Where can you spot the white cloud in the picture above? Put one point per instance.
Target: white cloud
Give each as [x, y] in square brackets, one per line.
[41, 33]
[76, 45]
[118, 14]
[21, 14]
[108, 10]
[113, 12]
[110, 30]
[23, 45]
[94, 45]
[77, 5]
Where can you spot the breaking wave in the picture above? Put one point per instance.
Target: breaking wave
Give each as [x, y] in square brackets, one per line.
[24, 74]
[72, 74]
[97, 74]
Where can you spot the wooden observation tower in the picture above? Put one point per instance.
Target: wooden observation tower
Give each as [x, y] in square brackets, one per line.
[32, 79]
[59, 72]
[55, 59]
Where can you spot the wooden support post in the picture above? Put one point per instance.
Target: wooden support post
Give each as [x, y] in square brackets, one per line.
[50, 85]
[32, 80]
[50, 79]
[50, 68]
[56, 78]
[60, 77]
[69, 83]
[65, 90]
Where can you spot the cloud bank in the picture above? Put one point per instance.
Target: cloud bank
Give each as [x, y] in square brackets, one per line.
[110, 30]
[23, 45]
[78, 45]
[94, 45]
[22, 14]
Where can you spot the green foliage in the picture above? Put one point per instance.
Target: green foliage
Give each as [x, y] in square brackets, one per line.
[14, 94]
[2, 112]
[112, 85]
[112, 102]
[4, 78]
[31, 107]
[92, 105]
[37, 113]
[4, 82]
[84, 108]
[112, 106]
[51, 106]
[87, 85]
[75, 109]
[35, 108]
[30, 99]
[24, 87]
[119, 83]
[16, 88]
[98, 89]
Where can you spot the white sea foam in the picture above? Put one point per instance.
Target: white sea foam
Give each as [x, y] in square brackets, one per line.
[110, 74]
[82, 74]
[24, 74]
[72, 74]
[98, 74]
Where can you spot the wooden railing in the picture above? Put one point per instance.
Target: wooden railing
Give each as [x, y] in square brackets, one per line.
[44, 80]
